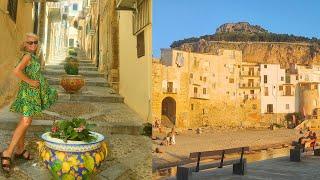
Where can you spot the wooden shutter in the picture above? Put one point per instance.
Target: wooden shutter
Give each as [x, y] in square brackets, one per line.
[12, 8]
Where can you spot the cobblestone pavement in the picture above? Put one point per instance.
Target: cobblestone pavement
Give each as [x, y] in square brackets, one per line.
[130, 155]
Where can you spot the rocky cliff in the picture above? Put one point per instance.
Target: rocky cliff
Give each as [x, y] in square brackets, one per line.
[262, 52]
[240, 27]
[256, 44]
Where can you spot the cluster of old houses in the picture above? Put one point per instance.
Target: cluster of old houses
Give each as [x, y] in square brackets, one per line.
[115, 34]
[221, 89]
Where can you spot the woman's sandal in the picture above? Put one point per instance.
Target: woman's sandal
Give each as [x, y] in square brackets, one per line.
[5, 167]
[22, 155]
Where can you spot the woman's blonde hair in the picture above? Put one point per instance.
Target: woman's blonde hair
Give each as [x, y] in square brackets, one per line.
[23, 44]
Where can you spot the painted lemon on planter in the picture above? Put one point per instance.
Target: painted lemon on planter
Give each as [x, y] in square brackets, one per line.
[72, 160]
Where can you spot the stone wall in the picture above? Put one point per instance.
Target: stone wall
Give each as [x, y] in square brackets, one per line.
[109, 42]
[12, 34]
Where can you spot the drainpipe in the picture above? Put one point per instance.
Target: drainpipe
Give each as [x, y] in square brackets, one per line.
[41, 32]
[98, 38]
[36, 18]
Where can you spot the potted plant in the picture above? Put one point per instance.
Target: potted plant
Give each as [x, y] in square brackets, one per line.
[72, 52]
[71, 150]
[72, 82]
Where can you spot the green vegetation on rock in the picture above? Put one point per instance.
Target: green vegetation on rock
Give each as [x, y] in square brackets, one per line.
[244, 32]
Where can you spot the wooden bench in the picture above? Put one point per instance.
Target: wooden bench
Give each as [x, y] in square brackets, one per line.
[184, 172]
[297, 150]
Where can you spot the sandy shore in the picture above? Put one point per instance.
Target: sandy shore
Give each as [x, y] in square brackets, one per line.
[213, 139]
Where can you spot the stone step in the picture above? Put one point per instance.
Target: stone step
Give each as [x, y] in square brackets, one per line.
[59, 67]
[62, 61]
[65, 97]
[85, 73]
[110, 118]
[91, 94]
[89, 81]
[44, 125]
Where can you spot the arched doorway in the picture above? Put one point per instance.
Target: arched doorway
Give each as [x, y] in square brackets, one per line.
[168, 109]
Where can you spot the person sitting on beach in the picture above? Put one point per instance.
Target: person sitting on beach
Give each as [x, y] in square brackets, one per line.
[308, 138]
[166, 140]
[313, 140]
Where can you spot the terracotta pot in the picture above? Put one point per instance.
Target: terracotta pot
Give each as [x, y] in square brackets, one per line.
[72, 83]
[72, 159]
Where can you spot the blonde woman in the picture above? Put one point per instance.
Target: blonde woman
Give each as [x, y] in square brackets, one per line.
[34, 95]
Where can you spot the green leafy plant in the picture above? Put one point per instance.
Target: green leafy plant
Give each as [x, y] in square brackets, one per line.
[72, 65]
[76, 129]
[72, 52]
[147, 129]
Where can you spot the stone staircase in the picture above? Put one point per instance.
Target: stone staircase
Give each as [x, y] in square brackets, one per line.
[130, 156]
[96, 87]
[110, 113]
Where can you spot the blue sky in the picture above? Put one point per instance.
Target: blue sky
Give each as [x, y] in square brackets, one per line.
[179, 19]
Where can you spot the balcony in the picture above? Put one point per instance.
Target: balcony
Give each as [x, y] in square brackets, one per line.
[93, 2]
[126, 5]
[282, 93]
[250, 96]
[196, 82]
[200, 96]
[169, 90]
[54, 13]
[249, 86]
[31, 1]
[292, 71]
[249, 74]
[92, 32]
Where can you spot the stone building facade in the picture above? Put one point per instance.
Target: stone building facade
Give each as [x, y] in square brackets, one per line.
[117, 36]
[193, 89]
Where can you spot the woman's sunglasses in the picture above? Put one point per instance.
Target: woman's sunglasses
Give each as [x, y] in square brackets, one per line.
[32, 42]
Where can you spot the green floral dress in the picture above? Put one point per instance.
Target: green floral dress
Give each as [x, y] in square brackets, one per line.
[31, 101]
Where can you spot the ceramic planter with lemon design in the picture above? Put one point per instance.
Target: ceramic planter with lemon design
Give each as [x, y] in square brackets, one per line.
[72, 160]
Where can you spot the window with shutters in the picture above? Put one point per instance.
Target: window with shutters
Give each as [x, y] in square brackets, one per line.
[204, 91]
[265, 79]
[75, 7]
[269, 108]
[266, 93]
[140, 45]
[170, 87]
[12, 9]
[142, 17]
[287, 106]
